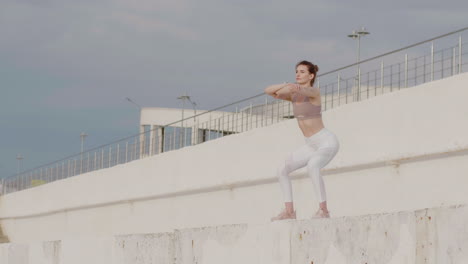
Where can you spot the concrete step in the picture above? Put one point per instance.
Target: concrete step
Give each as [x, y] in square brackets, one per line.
[437, 235]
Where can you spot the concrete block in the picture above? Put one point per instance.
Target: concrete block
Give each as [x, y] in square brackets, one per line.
[14, 253]
[89, 250]
[442, 235]
[260, 244]
[144, 249]
[386, 238]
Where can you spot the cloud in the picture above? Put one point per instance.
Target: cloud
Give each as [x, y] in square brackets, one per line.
[86, 56]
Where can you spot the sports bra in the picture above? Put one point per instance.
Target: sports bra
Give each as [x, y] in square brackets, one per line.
[303, 108]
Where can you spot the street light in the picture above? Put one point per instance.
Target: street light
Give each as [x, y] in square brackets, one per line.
[183, 98]
[130, 100]
[19, 158]
[356, 34]
[83, 135]
[186, 97]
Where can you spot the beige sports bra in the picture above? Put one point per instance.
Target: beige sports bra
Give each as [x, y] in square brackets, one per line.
[303, 108]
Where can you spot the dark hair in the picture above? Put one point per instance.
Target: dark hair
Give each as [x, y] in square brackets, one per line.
[312, 69]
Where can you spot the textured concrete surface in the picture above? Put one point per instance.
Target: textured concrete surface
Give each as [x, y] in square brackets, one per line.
[144, 248]
[433, 236]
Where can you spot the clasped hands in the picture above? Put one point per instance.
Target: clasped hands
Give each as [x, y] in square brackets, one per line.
[293, 87]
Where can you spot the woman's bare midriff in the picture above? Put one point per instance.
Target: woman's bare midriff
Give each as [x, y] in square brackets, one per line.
[310, 126]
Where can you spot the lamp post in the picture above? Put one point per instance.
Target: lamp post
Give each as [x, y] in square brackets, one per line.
[83, 135]
[183, 98]
[130, 100]
[19, 158]
[357, 34]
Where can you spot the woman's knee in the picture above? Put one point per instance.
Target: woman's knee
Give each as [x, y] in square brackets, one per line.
[314, 163]
[286, 167]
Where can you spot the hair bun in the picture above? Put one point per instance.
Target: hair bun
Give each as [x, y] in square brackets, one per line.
[316, 68]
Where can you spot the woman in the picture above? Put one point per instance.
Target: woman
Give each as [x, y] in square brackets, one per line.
[321, 144]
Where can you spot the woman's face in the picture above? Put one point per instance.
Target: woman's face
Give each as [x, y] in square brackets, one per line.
[303, 76]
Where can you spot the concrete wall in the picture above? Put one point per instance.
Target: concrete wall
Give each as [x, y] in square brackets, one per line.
[400, 151]
[162, 116]
[429, 236]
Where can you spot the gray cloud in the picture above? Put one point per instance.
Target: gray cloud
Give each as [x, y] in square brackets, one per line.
[68, 65]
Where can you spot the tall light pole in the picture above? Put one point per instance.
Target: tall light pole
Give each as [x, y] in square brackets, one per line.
[83, 135]
[19, 158]
[131, 101]
[357, 34]
[183, 98]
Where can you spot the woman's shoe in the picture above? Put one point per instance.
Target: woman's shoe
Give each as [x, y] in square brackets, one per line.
[321, 214]
[284, 215]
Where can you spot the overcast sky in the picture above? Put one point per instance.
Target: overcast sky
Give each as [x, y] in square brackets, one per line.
[67, 66]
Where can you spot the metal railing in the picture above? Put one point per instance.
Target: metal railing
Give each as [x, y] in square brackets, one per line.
[344, 85]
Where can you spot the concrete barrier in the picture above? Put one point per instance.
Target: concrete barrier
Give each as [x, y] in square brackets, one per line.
[392, 158]
[433, 236]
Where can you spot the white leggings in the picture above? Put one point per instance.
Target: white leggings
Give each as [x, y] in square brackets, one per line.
[318, 151]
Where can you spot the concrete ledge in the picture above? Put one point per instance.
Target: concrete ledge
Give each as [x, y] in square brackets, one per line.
[437, 235]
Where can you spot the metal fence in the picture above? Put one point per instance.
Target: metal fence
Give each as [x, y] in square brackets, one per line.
[406, 67]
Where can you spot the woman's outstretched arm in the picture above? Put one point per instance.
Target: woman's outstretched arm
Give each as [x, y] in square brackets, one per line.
[279, 91]
[306, 91]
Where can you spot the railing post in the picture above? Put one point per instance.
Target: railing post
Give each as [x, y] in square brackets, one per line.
[368, 85]
[126, 152]
[102, 158]
[118, 150]
[399, 76]
[324, 96]
[375, 83]
[237, 118]
[406, 70]
[432, 61]
[359, 83]
[246, 121]
[339, 95]
[233, 120]
[391, 78]
[442, 64]
[209, 128]
[424, 69]
[454, 55]
[346, 93]
[251, 116]
[272, 112]
[332, 96]
[174, 138]
[81, 163]
[460, 55]
[242, 121]
[382, 77]
[110, 156]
